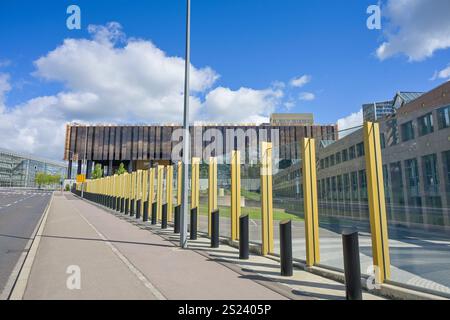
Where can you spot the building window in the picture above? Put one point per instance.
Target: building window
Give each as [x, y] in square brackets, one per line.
[412, 177]
[327, 162]
[352, 153]
[339, 187]
[407, 131]
[425, 124]
[347, 186]
[328, 189]
[338, 158]
[344, 155]
[397, 183]
[360, 149]
[443, 117]
[334, 187]
[382, 141]
[363, 185]
[392, 132]
[332, 160]
[354, 178]
[386, 183]
[446, 161]
[430, 174]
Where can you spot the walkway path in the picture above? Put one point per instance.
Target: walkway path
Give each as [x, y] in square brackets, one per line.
[118, 260]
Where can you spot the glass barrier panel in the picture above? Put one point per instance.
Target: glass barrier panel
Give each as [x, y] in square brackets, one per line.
[224, 198]
[251, 199]
[203, 205]
[343, 198]
[416, 172]
[287, 189]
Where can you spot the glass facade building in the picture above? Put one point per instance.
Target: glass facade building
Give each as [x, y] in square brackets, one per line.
[19, 170]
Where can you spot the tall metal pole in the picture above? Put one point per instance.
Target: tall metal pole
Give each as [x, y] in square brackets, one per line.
[85, 161]
[186, 137]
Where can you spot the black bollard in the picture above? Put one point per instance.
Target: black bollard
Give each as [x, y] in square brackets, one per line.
[164, 217]
[177, 219]
[145, 215]
[215, 216]
[193, 226]
[154, 209]
[243, 237]
[127, 206]
[286, 248]
[132, 207]
[138, 209]
[352, 266]
[114, 203]
[122, 205]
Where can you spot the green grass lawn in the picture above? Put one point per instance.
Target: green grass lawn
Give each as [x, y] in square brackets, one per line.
[254, 213]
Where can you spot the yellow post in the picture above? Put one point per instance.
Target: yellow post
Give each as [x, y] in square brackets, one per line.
[116, 191]
[266, 198]
[377, 205]
[169, 189]
[212, 190]
[310, 202]
[139, 191]
[126, 179]
[195, 181]
[235, 194]
[195, 185]
[121, 188]
[144, 188]
[133, 188]
[179, 182]
[151, 188]
[159, 191]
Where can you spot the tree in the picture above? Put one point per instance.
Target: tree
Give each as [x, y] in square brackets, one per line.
[121, 169]
[45, 179]
[98, 171]
[40, 179]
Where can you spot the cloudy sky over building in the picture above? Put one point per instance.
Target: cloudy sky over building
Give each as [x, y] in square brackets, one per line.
[249, 59]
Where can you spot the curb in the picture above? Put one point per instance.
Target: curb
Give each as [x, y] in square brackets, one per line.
[20, 284]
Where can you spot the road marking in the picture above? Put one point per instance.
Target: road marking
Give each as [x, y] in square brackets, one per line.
[158, 295]
[18, 279]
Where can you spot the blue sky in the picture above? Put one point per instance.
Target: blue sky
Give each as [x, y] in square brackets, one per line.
[251, 44]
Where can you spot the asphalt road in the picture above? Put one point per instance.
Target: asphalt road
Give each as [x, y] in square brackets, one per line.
[20, 211]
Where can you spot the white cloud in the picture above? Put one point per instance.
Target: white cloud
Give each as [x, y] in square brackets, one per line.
[114, 79]
[137, 81]
[415, 28]
[301, 81]
[351, 121]
[4, 88]
[306, 96]
[443, 74]
[243, 105]
[289, 104]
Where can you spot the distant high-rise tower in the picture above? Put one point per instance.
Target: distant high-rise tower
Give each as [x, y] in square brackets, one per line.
[378, 110]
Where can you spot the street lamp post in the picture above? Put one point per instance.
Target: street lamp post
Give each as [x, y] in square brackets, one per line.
[186, 138]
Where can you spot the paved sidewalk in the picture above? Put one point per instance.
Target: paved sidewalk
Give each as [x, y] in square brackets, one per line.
[119, 260]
